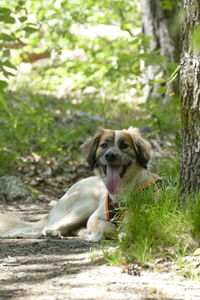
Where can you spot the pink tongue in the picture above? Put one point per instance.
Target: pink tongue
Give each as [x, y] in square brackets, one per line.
[113, 179]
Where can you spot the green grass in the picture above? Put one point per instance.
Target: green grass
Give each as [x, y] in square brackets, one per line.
[162, 226]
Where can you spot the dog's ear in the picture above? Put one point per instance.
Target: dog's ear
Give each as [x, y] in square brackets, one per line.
[89, 148]
[141, 146]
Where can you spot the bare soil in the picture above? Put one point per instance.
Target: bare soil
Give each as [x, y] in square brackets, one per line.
[42, 268]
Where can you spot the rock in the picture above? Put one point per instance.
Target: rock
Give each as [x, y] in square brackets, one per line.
[13, 189]
[21, 275]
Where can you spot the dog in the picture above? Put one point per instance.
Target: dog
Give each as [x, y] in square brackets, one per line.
[120, 160]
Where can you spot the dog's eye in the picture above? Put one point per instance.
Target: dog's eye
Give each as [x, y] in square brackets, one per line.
[123, 146]
[103, 145]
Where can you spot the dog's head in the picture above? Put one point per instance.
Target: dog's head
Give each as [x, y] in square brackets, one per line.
[115, 154]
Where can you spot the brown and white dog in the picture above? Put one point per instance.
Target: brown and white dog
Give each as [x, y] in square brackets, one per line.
[119, 158]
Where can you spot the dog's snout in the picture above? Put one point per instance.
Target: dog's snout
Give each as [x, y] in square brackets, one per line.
[111, 156]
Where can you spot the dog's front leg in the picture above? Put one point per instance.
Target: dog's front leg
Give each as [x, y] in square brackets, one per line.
[76, 217]
[96, 229]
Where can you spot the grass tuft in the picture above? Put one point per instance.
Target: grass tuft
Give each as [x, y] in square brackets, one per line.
[159, 226]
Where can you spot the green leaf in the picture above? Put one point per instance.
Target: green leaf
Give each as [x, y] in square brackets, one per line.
[3, 84]
[30, 30]
[7, 19]
[3, 103]
[21, 3]
[7, 73]
[197, 252]
[167, 4]
[161, 80]
[174, 74]
[6, 37]
[162, 90]
[6, 53]
[5, 11]
[23, 19]
[9, 65]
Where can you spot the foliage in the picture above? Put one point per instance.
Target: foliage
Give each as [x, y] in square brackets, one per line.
[86, 66]
[160, 116]
[14, 25]
[37, 126]
[158, 227]
[108, 61]
[64, 27]
[107, 64]
[168, 4]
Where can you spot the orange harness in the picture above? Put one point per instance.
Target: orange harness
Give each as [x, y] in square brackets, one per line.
[113, 212]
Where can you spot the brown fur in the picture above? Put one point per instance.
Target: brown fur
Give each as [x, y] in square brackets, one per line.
[84, 202]
[89, 148]
[141, 147]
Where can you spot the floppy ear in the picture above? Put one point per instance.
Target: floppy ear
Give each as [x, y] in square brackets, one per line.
[141, 146]
[89, 148]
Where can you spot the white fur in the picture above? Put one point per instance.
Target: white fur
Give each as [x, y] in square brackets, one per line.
[74, 208]
[83, 203]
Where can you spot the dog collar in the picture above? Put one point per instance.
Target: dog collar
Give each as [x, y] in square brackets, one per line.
[115, 214]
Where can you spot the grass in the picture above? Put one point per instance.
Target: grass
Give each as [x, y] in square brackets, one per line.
[159, 227]
[187, 270]
[149, 225]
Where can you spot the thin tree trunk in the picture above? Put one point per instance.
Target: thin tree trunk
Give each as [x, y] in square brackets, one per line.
[190, 99]
[157, 23]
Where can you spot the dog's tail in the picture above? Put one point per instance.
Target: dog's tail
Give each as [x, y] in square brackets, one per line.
[10, 226]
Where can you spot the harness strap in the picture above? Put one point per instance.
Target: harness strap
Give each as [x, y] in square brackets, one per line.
[145, 186]
[113, 212]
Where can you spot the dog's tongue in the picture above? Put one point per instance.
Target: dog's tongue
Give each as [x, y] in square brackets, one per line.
[113, 179]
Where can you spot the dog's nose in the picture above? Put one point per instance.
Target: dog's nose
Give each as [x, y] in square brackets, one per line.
[110, 156]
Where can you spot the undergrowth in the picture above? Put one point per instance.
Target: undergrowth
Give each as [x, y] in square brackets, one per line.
[162, 226]
[52, 127]
[158, 226]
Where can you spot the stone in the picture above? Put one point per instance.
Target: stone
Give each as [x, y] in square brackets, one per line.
[13, 189]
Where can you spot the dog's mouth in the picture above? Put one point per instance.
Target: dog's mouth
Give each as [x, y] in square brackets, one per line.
[113, 176]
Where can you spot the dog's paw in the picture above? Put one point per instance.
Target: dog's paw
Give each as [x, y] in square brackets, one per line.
[110, 228]
[89, 237]
[94, 238]
[52, 233]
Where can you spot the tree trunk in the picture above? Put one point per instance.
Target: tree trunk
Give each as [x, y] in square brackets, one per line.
[190, 99]
[157, 23]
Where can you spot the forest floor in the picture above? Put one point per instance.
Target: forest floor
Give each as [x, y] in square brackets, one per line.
[47, 268]
[43, 268]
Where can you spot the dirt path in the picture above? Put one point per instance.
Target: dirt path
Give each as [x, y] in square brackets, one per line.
[45, 269]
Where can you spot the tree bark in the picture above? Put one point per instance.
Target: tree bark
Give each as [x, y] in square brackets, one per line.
[190, 99]
[157, 23]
